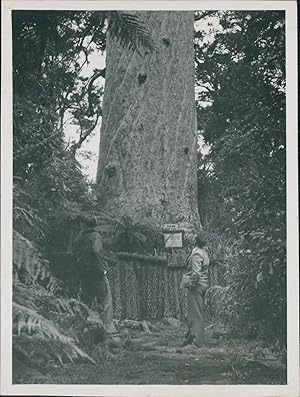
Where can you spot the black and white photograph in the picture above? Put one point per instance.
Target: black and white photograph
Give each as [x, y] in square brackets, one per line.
[149, 216]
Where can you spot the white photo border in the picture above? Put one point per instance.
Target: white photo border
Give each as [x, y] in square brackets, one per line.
[292, 387]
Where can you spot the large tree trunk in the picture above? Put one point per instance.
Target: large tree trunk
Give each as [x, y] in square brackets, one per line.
[147, 160]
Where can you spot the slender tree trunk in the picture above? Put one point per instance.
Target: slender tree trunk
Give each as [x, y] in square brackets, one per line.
[147, 159]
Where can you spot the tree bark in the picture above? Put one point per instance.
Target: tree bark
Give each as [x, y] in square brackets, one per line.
[147, 160]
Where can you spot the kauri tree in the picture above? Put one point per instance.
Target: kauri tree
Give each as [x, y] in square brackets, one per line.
[147, 160]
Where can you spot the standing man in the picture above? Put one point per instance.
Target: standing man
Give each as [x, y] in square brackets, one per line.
[196, 281]
[91, 265]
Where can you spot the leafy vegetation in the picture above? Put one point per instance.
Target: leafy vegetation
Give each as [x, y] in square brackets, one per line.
[50, 51]
[137, 235]
[39, 310]
[51, 93]
[241, 111]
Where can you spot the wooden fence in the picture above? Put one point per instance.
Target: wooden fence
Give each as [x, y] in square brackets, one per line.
[143, 287]
[146, 288]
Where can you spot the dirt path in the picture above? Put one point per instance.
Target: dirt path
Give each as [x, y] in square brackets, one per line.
[136, 357]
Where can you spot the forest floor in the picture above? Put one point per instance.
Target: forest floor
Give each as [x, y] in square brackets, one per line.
[139, 357]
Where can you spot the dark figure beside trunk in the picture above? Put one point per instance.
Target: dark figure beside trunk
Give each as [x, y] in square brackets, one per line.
[89, 257]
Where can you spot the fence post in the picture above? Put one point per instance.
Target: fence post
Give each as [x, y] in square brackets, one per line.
[139, 290]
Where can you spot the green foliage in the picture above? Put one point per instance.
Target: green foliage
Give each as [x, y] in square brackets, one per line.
[137, 235]
[243, 72]
[28, 264]
[54, 193]
[128, 31]
[44, 323]
[50, 51]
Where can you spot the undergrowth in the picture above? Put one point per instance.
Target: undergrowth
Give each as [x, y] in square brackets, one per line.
[46, 324]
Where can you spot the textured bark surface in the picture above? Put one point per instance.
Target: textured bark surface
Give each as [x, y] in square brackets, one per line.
[147, 158]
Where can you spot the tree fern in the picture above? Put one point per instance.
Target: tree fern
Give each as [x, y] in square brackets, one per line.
[137, 235]
[129, 32]
[49, 33]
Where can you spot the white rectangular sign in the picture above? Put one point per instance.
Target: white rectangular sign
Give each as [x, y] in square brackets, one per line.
[173, 240]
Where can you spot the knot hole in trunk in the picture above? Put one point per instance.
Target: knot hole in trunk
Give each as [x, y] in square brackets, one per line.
[142, 78]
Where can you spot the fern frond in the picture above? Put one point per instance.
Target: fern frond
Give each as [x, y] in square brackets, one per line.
[27, 258]
[29, 321]
[48, 323]
[139, 236]
[36, 346]
[24, 214]
[68, 314]
[32, 326]
[129, 31]
[24, 295]
[45, 302]
[39, 299]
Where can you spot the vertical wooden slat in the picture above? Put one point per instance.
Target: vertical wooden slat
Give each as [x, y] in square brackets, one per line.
[158, 310]
[152, 291]
[128, 290]
[129, 281]
[146, 290]
[175, 293]
[158, 268]
[123, 290]
[138, 291]
[128, 264]
[178, 273]
[146, 296]
[181, 296]
[156, 281]
[121, 287]
[118, 284]
[165, 287]
[161, 278]
[184, 302]
[171, 289]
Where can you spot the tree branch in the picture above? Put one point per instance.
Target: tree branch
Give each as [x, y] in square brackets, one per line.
[100, 73]
[83, 137]
[204, 15]
[206, 88]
